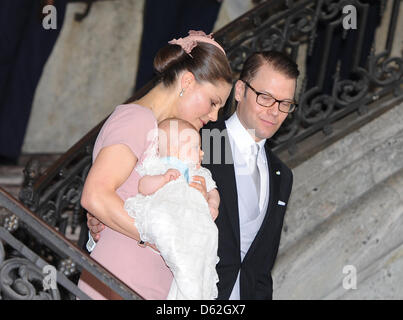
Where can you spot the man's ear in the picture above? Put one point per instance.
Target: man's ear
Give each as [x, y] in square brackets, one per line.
[239, 90]
[187, 79]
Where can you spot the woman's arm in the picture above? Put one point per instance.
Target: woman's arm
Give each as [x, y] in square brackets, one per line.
[110, 170]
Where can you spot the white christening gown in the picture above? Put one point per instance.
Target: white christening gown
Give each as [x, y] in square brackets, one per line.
[176, 218]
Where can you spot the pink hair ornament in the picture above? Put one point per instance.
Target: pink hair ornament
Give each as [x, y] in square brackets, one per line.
[189, 42]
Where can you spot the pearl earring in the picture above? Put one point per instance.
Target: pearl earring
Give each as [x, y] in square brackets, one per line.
[181, 93]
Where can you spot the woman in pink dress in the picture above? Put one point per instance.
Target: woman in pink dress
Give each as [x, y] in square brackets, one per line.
[195, 83]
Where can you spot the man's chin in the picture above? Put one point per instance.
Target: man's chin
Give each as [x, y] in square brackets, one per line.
[264, 135]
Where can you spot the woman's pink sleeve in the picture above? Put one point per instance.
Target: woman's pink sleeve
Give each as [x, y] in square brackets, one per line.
[131, 126]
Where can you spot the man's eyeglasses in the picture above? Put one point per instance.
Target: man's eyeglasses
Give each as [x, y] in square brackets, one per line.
[267, 100]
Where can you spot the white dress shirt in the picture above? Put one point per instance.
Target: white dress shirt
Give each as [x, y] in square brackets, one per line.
[251, 207]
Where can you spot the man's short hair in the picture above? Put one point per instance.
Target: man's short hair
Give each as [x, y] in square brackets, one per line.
[277, 60]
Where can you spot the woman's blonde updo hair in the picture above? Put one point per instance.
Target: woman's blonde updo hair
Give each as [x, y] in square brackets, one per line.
[207, 63]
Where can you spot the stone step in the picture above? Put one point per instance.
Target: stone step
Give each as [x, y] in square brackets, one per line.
[12, 177]
[14, 190]
[45, 159]
[361, 235]
[382, 279]
[346, 209]
[341, 173]
[11, 174]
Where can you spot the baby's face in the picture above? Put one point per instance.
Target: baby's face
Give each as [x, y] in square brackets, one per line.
[189, 147]
[191, 151]
[184, 145]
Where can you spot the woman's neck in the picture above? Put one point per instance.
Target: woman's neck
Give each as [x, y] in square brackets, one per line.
[161, 101]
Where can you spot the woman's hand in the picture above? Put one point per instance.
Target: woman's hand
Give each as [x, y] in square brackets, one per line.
[213, 203]
[95, 226]
[200, 185]
[213, 212]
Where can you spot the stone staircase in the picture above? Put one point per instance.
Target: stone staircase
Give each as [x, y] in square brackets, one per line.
[12, 177]
[346, 209]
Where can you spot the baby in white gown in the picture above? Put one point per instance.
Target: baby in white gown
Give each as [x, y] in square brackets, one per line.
[175, 216]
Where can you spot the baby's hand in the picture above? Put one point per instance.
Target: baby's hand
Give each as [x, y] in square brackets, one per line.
[171, 174]
[199, 183]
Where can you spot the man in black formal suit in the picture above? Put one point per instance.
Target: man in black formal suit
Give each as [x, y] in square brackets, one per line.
[254, 184]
